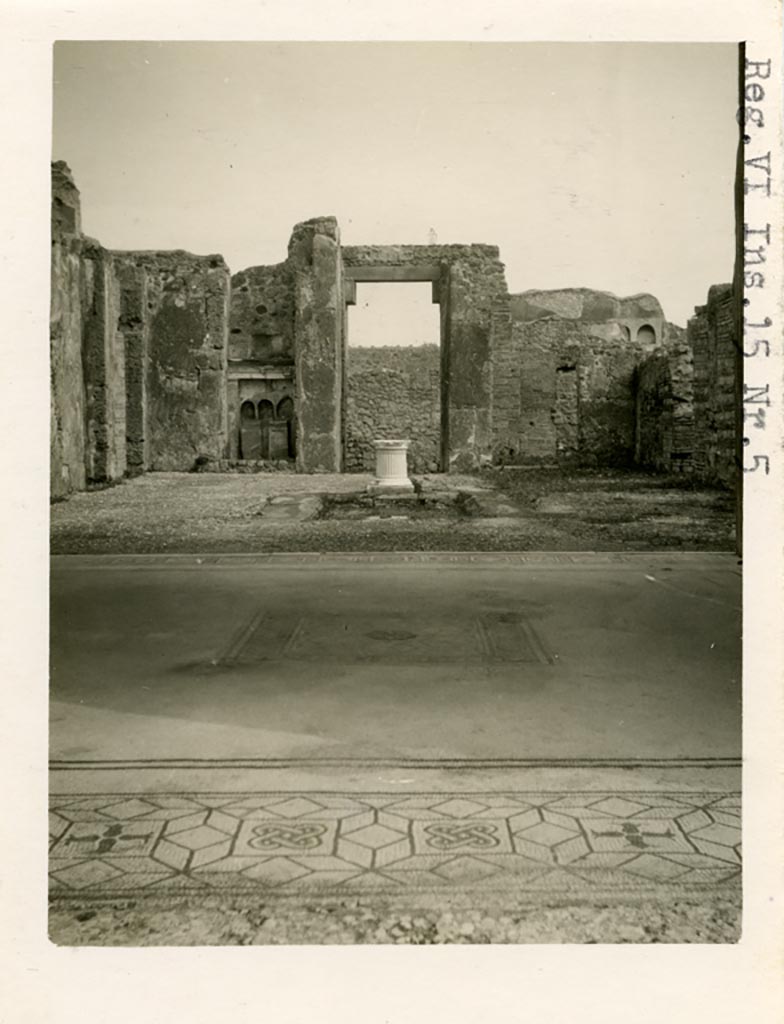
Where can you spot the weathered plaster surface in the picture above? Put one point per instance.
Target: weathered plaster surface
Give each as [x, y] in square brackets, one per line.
[180, 302]
[314, 254]
[67, 395]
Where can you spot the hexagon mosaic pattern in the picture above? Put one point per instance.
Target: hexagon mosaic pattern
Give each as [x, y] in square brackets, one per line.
[105, 845]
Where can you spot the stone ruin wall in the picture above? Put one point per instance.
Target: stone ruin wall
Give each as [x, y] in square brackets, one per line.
[664, 439]
[138, 355]
[393, 392]
[185, 323]
[572, 369]
[68, 443]
[103, 357]
[153, 353]
[686, 397]
[319, 327]
[711, 335]
[261, 330]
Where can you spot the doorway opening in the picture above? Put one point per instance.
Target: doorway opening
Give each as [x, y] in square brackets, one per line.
[393, 374]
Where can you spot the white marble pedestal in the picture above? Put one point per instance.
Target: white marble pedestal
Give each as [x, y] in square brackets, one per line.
[391, 467]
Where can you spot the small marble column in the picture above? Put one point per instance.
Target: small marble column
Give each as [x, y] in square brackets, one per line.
[391, 466]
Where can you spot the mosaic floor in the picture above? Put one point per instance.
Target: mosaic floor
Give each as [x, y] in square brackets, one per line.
[330, 843]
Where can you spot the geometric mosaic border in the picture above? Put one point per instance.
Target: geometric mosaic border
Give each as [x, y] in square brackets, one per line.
[333, 843]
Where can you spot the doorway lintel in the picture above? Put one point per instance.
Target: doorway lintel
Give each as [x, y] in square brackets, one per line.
[395, 272]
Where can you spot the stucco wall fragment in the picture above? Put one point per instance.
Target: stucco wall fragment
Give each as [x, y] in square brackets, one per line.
[174, 313]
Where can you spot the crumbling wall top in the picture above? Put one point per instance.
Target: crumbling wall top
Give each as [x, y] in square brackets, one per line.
[169, 258]
[585, 304]
[303, 233]
[66, 201]
[262, 270]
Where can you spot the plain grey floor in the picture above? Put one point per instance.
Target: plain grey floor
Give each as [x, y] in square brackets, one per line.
[601, 659]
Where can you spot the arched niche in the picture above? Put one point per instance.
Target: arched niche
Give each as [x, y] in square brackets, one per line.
[250, 437]
[266, 412]
[286, 414]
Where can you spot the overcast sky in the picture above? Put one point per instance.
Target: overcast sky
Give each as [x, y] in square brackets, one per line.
[606, 166]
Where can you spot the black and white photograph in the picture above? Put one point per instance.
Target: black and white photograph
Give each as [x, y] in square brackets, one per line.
[392, 589]
[396, 575]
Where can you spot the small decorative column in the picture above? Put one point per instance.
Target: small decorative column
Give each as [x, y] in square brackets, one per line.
[391, 466]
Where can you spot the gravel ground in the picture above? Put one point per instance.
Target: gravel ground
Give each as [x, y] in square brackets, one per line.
[429, 921]
[181, 512]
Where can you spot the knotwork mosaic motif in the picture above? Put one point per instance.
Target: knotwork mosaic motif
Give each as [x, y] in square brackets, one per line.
[475, 836]
[292, 837]
[108, 845]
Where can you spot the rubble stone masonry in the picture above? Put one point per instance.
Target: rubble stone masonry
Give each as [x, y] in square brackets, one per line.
[393, 392]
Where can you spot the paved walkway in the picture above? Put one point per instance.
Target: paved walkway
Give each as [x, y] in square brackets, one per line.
[428, 728]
